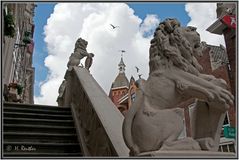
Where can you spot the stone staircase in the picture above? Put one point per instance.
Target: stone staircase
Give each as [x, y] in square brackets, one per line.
[39, 131]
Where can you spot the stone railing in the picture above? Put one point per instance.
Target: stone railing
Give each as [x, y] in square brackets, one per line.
[97, 120]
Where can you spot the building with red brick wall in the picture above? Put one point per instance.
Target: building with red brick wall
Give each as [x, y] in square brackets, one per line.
[226, 25]
[132, 91]
[134, 86]
[123, 92]
[17, 52]
[119, 87]
[230, 37]
[215, 62]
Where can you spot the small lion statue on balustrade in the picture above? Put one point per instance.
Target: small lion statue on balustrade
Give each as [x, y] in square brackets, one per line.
[153, 122]
[79, 53]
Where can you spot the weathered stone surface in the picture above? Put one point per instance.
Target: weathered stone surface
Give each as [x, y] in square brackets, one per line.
[188, 154]
[98, 122]
[153, 122]
[61, 92]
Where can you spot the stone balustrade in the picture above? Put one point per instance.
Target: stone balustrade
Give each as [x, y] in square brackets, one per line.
[97, 120]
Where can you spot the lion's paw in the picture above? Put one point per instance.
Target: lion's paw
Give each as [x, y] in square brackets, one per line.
[220, 82]
[221, 95]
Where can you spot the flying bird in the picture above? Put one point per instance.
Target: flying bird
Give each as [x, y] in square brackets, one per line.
[140, 76]
[123, 51]
[113, 26]
[137, 69]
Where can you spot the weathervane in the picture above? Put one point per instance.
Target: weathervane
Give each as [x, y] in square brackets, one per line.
[122, 52]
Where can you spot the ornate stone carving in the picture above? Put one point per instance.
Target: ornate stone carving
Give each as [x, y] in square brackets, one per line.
[79, 53]
[153, 122]
[92, 131]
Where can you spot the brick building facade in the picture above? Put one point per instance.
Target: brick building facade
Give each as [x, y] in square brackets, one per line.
[226, 25]
[214, 61]
[120, 87]
[123, 92]
[17, 53]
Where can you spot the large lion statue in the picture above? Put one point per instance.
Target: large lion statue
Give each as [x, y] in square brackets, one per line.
[154, 122]
[79, 53]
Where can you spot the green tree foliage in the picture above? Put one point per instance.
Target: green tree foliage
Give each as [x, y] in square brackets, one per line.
[9, 27]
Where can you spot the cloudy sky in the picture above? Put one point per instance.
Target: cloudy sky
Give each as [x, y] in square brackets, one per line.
[59, 25]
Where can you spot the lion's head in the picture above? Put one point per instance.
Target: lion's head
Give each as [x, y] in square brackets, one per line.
[174, 45]
[81, 43]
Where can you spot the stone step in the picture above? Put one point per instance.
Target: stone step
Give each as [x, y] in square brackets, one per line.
[34, 121]
[39, 137]
[36, 147]
[35, 106]
[35, 115]
[38, 128]
[36, 110]
[38, 131]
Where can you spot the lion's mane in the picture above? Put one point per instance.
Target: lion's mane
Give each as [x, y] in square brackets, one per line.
[170, 48]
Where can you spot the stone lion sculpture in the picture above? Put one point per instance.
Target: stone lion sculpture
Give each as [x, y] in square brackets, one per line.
[153, 122]
[79, 53]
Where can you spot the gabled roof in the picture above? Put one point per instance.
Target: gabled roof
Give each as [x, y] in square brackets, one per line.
[218, 56]
[120, 81]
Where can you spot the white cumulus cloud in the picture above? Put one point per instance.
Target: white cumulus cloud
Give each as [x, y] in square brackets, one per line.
[202, 16]
[150, 23]
[91, 21]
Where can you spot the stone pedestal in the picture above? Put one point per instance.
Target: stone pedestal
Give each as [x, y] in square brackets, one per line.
[188, 154]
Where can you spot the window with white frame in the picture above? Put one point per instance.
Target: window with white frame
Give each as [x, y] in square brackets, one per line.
[226, 120]
[226, 145]
[183, 133]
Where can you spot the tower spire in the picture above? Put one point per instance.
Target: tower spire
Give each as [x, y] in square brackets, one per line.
[121, 65]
